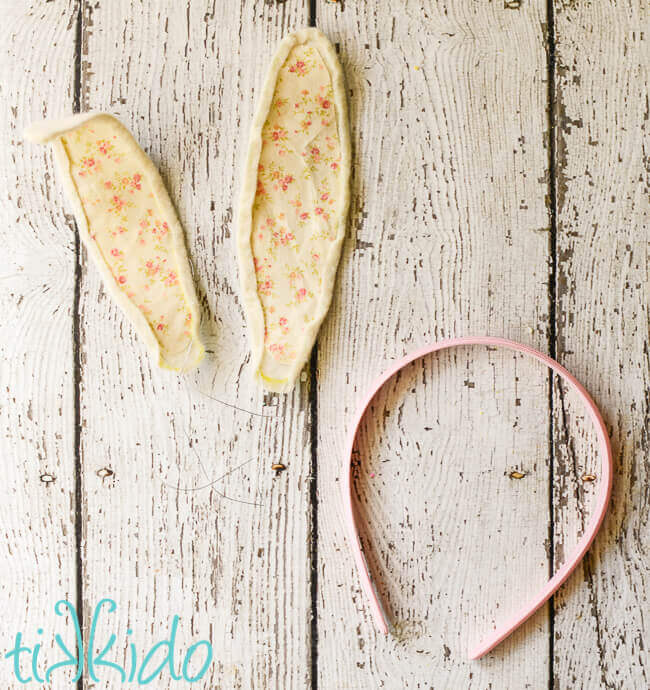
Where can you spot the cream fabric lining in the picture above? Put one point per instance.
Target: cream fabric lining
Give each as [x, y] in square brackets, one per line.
[294, 203]
[131, 230]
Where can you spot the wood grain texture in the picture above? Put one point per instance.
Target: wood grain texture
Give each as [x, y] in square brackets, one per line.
[184, 81]
[37, 549]
[602, 139]
[449, 236]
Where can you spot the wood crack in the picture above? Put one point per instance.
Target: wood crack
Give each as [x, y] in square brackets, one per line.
[76, 354]
[552, 302]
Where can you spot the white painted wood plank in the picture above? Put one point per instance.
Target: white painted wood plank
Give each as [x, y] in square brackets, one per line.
[37, 549]
[441, 528]
[184, 82]
[449, 236]
[601, 623]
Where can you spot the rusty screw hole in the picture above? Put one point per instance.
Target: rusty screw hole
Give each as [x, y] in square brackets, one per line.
[517, 475]
[105, 472]
[47, 478]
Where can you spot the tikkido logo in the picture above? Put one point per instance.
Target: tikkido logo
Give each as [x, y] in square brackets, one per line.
[28, 669]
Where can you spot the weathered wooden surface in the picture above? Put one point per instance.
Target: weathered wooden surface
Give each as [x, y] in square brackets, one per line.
[469, 216]
[449, 236]
[37, 549]
[237, 574]
[601, 93]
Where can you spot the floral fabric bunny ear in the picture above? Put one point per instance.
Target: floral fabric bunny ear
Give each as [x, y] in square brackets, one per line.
[129, 226]
[294, 203]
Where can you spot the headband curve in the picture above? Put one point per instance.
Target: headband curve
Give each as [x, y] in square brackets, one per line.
[498, 635]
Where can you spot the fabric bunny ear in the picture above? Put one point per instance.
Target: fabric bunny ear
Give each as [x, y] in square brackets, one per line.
[129, 226]
[294, 203]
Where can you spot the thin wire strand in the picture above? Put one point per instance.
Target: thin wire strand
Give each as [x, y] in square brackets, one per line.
[213, 482]
[189, 389]
[234, 407]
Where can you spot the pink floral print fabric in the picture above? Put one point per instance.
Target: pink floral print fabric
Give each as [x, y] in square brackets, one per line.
[296, 212]
[130, 229]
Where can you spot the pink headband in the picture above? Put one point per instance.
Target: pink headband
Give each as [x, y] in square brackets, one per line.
[563, 573]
